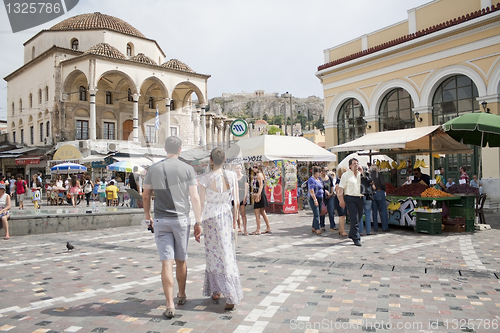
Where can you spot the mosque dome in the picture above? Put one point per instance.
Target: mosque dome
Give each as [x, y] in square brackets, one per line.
[178, 65]
[105, 50]
[96, 21]
[140, 57]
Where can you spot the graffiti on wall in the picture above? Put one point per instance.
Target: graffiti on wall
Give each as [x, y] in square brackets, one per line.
[403, 215]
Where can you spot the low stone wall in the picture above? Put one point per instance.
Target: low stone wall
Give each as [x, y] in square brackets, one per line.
[45, 224]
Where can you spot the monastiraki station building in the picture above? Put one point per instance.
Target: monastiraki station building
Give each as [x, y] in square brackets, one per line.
[441, 62]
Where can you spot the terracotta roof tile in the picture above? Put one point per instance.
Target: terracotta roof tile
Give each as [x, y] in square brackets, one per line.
[95, 21]
[178, 65]
[105, 50]
[140, 57]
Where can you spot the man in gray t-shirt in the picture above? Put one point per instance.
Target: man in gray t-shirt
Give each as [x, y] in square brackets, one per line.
[174, 185]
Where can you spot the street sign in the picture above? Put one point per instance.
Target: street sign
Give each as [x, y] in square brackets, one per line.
[239, 127]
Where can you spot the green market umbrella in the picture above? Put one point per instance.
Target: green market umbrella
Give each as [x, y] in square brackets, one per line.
[478, 128]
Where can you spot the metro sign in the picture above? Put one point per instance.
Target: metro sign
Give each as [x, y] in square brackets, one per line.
[239, 127]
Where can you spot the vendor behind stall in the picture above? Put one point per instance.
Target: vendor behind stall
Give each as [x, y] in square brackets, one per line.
[418, 176]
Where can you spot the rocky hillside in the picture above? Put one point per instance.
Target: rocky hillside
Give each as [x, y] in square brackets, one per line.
[266, 106]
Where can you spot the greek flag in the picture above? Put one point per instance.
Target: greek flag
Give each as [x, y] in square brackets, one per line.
[157, 119]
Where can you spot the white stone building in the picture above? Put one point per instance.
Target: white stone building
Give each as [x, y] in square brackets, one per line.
[96, 82]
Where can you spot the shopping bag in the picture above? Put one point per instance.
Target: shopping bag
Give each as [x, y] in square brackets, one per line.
[323, 210]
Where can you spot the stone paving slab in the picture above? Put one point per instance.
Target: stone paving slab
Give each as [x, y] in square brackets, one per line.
[293, 281]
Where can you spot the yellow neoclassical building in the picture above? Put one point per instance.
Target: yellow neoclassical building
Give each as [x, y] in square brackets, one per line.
[439, 63]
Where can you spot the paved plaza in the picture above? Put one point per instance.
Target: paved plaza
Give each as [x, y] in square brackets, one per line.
[293, 280]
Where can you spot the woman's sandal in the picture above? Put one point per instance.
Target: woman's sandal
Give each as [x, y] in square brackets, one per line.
[267, 232]
[169, 313]
[181, 300]
[229, 307]
[215, 296]
[255, 233]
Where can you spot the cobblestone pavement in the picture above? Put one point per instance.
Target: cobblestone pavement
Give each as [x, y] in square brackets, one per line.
[293, 280]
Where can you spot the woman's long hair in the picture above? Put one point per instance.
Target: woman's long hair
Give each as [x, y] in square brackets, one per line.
[73, 181]
[259, 166]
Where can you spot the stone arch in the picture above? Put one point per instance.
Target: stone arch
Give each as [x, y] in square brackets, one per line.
[40, 115]
[385, 87]
[494, 82]
[108, 115]
[114, 80]
[81, 112]
[72, 85]
[185, 89]
[338, 101]
[20, 122]
[30, 119]
[436, 78]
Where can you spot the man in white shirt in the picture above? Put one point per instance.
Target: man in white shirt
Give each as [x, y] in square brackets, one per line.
[349, 195]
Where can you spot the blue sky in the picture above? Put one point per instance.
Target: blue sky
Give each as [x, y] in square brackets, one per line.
[245, 45]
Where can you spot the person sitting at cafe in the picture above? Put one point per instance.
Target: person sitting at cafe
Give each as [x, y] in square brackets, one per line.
[112, 188]
[474, 182]
[418, 177]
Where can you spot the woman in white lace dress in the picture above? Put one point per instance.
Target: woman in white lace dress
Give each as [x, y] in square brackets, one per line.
[217, 189]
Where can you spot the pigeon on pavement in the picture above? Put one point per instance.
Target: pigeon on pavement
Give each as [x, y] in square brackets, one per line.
[70, 247]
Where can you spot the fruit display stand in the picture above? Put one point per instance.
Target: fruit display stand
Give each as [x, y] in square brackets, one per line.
[403, 216]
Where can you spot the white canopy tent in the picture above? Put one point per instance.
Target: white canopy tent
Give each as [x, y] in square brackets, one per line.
[277, 147]
[421, 140]
[363, 158]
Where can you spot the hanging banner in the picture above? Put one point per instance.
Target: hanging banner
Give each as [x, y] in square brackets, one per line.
[273, 172]
[290, 204]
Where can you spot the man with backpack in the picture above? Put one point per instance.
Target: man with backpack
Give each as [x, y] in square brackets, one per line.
[20, 190]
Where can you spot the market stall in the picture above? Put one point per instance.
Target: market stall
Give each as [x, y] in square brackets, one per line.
[279, 156]
[411, 208]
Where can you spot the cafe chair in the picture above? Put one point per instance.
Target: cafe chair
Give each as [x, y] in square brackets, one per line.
[109, 199]
[480, 199]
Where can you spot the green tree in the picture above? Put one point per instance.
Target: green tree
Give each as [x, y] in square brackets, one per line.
[264, 117]
[272, 130]
[277, 120]
[302, 120]
[319, 123]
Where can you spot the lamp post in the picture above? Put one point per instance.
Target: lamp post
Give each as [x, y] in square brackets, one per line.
[287, 95]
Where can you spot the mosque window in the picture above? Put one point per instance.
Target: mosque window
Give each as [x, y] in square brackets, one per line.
[39, 96]
[109, 99]
[46, 93]
[20, 105]
[82, 93]
[47, 129]
[13, 108]
[74, 44]
[30, 100]
[41, 131]
[151, 103]
[109, 131]
[82, 130]
[32, 53]
[129, 95]
[130, 52]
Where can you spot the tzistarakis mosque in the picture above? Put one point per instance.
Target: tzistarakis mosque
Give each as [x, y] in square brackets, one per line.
[439, 63]
[94, 80]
